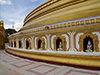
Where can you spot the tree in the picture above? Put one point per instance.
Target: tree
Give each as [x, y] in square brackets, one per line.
[9, 32]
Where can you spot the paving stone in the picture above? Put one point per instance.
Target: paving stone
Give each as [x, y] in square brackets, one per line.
[12, 65]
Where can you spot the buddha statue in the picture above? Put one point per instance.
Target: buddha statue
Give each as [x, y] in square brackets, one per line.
[41, 47]
[60, 46]
[89, 47]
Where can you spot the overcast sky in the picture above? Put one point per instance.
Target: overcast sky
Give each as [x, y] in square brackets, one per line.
[13, 12]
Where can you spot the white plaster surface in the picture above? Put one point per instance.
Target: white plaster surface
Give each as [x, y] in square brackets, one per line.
[35, 42]
[23, 44]
[52, 41]
[17, 43]
[72, 40]
[48, 40]
[32, 42]
[77, 40]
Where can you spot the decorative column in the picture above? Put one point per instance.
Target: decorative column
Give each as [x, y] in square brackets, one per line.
[9, 43]
[13, 42]
[48, 41]
[71, 40]
[23, 43]
[98, 34]
[17, 40]
[32, 42]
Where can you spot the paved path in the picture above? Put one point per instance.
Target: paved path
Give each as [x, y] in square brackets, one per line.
[12, 65]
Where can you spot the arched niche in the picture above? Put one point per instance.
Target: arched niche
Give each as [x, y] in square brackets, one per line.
[38, 42]
[11, 44]
[59, 38]
[58, 41]
[94, 40]
[15, 44]
[28, 44]
[85, 43]
[20, 44]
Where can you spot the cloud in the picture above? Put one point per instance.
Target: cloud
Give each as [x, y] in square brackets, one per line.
[33, 0]
[7, 26]
[5, 2]
[11, 20]
[17, 25]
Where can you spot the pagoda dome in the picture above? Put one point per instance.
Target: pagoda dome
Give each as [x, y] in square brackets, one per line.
[55, 11]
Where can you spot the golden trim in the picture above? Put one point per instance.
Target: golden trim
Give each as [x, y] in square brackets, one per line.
[86, 21]
[92, 21]
[77, 23]
[98, 20]
[64, 24]
[68, 24]
[73, 23]
[82, 22]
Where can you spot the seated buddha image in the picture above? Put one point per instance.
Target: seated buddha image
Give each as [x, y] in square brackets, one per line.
[60, 46]
[41, 47]
[89, 47]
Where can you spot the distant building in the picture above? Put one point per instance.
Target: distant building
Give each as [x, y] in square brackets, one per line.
[2, 36]
[61, 31]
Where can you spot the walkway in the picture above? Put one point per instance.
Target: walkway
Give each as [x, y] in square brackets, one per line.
[12, 65]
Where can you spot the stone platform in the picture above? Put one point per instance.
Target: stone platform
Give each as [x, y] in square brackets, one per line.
[12, 65]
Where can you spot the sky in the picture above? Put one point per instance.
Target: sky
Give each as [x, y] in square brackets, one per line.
[13, 12]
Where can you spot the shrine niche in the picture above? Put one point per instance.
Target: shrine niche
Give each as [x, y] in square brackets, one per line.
[15, 44]
[88, 44]
[28, 44]
[20, 44]
[11, 44]
[40, 42]
[40, 46]
[88, 39]
[59, 43]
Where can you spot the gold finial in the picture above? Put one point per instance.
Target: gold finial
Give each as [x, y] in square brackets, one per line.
[1, 23]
